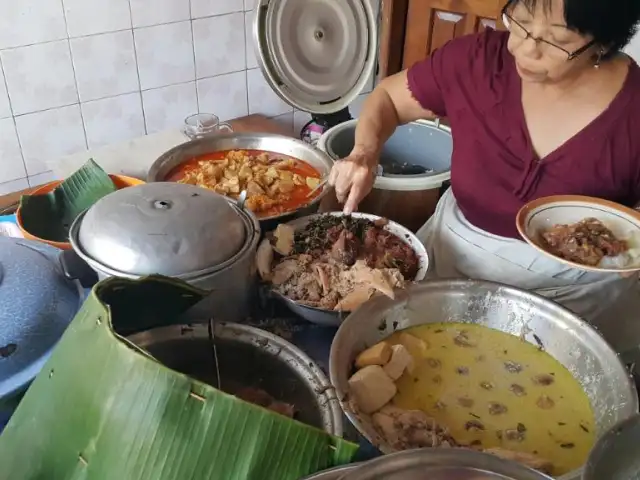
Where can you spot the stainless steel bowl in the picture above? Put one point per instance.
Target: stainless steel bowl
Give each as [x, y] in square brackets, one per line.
[442, 464]
[332, 318]
[336, 473]
[248, 141]
[248, 357]
[573, 342]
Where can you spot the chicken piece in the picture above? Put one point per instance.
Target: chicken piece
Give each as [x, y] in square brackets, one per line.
[407, 429]
[416, 346]
[323, 278]
[284, 270]
[371, 388]
[354, 299]
[253, 188]
[378, 279]
[284, 236]
[312, 182]
[264, 259]
[378, 354]
[528, 459]
[401, 361]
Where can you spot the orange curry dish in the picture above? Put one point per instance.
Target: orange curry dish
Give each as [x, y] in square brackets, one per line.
[274, 183]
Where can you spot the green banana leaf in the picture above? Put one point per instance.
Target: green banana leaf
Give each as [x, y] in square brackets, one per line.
[103, 409]
[50, 215]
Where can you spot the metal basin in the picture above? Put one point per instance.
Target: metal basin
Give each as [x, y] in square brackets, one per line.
[441, 464]
[331, 318]
[563, 335]
[248, 357]
[248, 141]
[616, 455]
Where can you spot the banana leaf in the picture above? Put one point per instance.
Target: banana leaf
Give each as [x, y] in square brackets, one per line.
[50, 215]
[103, 409]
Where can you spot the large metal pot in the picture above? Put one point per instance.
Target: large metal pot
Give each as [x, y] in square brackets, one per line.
[248, 357]
[442, 464]
[616, 455]
[176, 230]
[407, 199]
[248, 141]
[573, 342]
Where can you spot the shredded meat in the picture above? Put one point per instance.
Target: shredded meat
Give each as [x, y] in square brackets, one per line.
[338, 263]
[586, 242]
[408, 429]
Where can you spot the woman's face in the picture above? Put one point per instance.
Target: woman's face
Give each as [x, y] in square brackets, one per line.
[546, 61]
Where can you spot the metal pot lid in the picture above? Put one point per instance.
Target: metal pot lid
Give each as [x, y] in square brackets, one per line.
[316, 55]
[442, 464]
[37, 303]
[167, 228]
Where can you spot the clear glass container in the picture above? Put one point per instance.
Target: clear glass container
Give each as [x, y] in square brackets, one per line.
[202, 125]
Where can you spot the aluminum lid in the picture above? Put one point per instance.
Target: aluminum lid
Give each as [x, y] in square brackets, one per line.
[316, 55]
[166, 228]
[442, 464]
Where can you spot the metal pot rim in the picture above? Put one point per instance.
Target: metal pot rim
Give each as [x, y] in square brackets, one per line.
[154, 174]
[251, 241]
[334, 368]
[288, 353]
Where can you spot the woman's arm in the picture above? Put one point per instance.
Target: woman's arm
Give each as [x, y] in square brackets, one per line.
[390, 104]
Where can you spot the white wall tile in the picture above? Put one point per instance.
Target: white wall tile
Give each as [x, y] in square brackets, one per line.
[105, 65]
[48, 135]
[262, 99]
[12, 166]
[112, 120]
[145, 13]
[26, 22]
[167, 107]
[248, 29]
[225, 95]
[356, 106]
[13, 186]
[39, 77]
[219, 44]
[248, 4]
[207, 8]
[5, 106]
[88, 17]
[42, 178]
[165, 54]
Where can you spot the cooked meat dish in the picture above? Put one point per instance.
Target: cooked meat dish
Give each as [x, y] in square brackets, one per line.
[586, 242]
[274, 183]
[261, 398]
[337, 262]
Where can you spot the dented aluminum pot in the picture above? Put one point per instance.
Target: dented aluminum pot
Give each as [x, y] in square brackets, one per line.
[442, 464]
[539, 321]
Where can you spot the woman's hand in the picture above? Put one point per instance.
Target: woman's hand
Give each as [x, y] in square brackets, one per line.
[353, 177]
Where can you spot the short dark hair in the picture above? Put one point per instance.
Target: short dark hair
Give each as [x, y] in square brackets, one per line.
[611, 23]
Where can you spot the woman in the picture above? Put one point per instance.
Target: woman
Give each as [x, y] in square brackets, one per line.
[549, 107]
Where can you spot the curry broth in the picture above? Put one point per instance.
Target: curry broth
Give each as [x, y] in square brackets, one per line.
[492, 389]
[294, 199]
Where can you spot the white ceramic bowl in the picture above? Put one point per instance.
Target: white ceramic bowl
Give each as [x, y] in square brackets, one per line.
[324, 317]
[543, 213]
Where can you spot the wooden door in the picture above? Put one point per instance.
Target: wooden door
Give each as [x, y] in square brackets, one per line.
[431, 23]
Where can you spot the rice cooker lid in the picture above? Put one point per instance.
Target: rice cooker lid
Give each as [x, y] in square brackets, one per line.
[162, 228]
[317, 56]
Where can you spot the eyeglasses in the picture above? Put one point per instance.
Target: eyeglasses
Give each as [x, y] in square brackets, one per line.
[519, 31]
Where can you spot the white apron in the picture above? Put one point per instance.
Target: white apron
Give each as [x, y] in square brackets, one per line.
[457, 249]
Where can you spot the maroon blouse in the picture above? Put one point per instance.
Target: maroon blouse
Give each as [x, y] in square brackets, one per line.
[495, 171]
